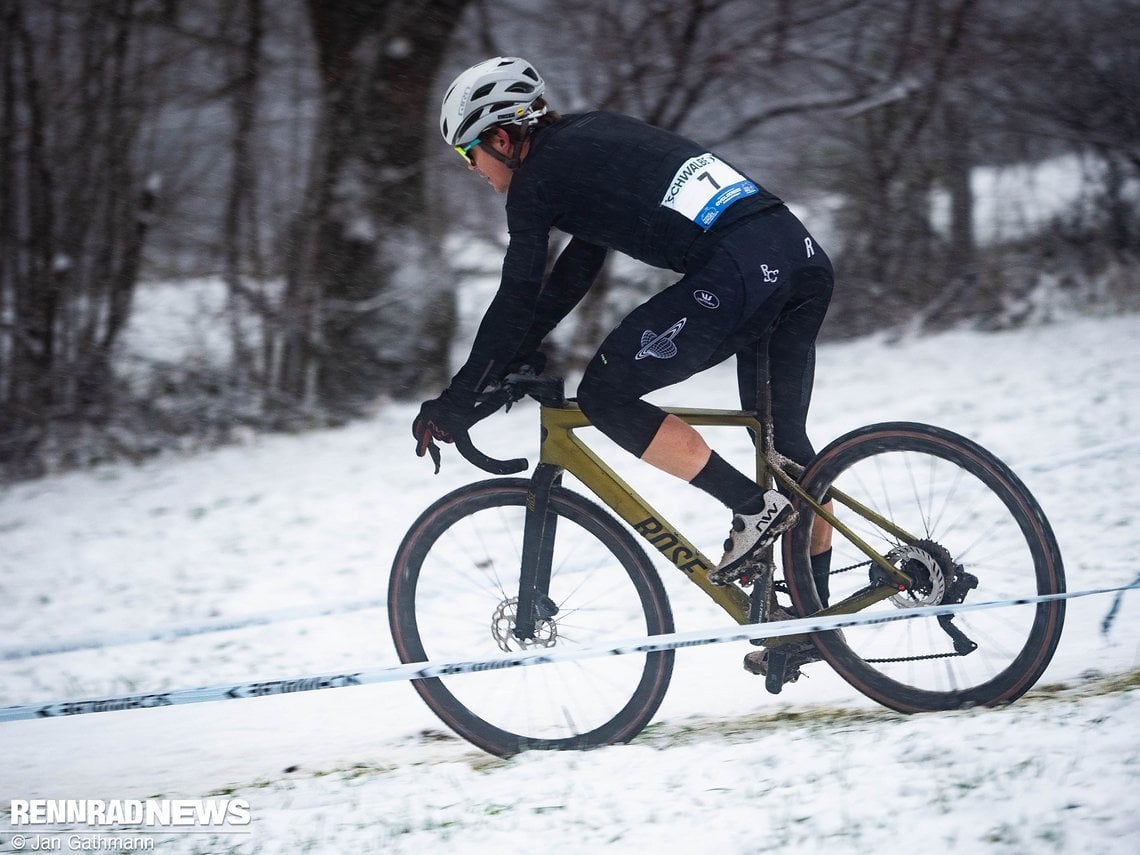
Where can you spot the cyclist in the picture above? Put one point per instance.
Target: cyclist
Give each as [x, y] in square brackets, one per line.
[748, 267]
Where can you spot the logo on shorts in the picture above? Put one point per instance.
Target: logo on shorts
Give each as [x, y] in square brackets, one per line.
[660, 346]
[770, 274]
[706, 298]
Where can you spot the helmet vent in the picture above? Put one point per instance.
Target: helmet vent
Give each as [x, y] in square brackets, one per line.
[483, 91]
[524, 88]
[468, 122]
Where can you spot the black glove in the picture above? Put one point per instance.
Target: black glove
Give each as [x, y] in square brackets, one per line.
[442, 418]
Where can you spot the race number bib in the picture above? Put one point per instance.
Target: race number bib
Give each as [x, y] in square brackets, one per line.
[703, 187]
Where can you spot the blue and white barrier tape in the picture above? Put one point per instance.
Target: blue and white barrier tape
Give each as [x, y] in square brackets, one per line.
[424, 670]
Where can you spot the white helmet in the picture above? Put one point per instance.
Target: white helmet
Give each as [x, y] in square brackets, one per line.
[497, 91]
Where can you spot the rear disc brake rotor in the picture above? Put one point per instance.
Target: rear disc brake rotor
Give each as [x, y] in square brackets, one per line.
[932, 569]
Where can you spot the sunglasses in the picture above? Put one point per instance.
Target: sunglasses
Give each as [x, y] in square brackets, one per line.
[465, 150]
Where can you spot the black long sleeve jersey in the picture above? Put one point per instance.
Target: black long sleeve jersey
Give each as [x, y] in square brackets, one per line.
[613, 183]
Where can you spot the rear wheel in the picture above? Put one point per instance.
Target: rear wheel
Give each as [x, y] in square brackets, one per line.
[978, 535]
[453, 595]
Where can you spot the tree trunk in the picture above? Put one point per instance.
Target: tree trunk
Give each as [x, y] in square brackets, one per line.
[34, 289]
[366, 277]
[72, 222]
[240, 236]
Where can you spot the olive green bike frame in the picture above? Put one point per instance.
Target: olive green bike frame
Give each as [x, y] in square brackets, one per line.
[563, 450]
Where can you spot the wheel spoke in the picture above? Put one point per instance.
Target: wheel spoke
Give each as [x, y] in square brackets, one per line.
[975, 518]
[602, 584]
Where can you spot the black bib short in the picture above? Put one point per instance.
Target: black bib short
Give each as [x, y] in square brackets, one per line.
[766, 276]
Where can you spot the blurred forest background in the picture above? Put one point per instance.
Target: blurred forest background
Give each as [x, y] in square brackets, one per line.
[288, 153]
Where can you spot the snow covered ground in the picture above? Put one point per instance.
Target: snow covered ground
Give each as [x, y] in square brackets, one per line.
[308, 521]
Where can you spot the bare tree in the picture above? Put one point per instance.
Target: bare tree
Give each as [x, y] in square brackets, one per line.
[889, 152]
[240, 231]
[364, 298]
[74, 211]
[1066, 72]
[294, 143]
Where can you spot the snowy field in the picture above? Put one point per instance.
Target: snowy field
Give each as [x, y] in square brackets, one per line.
[304, 522]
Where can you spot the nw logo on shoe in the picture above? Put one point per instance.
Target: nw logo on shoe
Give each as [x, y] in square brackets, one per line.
[660, 346]
[706, 298]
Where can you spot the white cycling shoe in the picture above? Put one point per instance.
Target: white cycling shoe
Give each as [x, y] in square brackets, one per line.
[753, 532]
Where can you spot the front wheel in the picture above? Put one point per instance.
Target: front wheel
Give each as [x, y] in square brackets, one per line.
[453, 595]
[975, 534]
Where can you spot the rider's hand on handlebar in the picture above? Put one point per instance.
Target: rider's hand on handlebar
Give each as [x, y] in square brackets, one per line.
[504, 391]
[443, 418]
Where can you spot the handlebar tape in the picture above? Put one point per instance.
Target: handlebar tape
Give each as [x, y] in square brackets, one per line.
[488, 464]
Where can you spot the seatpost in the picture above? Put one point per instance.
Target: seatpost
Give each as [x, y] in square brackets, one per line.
[767, 441]
[763, 595]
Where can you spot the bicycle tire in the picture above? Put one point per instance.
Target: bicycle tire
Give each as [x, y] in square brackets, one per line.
[458, 568]
[972, 516]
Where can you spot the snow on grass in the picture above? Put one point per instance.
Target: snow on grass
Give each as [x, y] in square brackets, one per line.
[286, 521]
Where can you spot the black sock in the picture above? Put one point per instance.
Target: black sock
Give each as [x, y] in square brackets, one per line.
[732, 487]
[821, 573]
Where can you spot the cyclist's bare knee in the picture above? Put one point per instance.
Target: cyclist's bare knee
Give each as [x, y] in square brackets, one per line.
[678, 449]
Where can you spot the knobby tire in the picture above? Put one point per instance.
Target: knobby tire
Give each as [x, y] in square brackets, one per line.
[459, 563]
[954, 496]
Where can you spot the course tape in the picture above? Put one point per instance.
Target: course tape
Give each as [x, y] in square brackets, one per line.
[426, 670]
[173, 632]
[303, 613]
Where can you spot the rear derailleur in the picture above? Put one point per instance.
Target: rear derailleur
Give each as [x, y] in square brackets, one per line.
[937, 580]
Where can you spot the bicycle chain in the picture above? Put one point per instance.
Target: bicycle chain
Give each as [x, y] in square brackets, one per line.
[915, 658]
[899, 658]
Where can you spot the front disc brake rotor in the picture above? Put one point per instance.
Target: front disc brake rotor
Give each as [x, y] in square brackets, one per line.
[503, 623]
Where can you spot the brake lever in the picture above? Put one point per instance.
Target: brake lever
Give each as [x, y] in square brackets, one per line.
[436, 456]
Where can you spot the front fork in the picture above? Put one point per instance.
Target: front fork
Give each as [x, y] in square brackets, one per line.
[534, 602]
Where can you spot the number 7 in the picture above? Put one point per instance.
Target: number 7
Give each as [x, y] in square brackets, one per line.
[711, 180]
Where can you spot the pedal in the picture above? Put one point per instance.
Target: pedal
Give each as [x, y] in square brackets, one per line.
[781, 665]
[777, 669]
[746, 572]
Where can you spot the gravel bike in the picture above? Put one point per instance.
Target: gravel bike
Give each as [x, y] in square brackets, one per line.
[921, 515]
